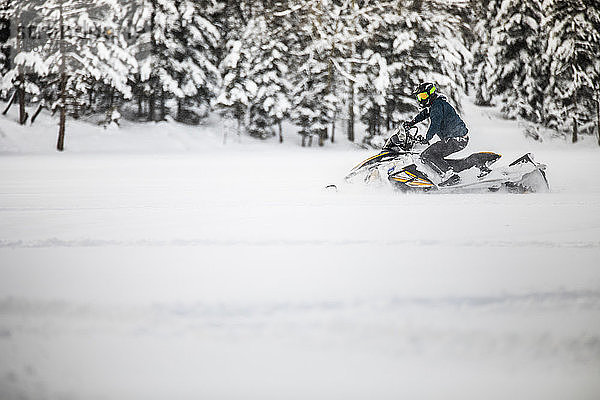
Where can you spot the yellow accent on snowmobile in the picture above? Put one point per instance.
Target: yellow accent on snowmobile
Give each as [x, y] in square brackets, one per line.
[403, 177]
[419, 183]
[411, 179]
[369, 159]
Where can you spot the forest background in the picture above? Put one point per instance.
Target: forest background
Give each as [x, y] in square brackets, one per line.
[313, 63]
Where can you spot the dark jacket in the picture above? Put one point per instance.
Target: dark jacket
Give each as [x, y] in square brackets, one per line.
[445, 122]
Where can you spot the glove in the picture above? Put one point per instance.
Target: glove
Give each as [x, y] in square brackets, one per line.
[395, 140]
[422, 140]
[406, 125]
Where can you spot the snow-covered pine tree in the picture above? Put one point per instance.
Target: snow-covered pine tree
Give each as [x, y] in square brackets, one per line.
[256, 64]
[270, 104]
[440, 54]
[72, 52]
[255, 88]
[484, 17]
[327, 38]
[420, 41]
[154, 46]
[233, 100]
[373, 84]
[313, 108]
[23, 78]
[351, 57]
[573, 29]
[357, 50]
[319, 47]
[175, 43]
[110, 65]
[195, 57]
[232, 15]
[386, 52]
[464, 12]
[368, 26]
[4, 35]
[516, 45]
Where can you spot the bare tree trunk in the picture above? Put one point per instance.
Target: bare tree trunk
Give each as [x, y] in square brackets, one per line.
[575, 138]
[111, 98]
[387, 116]
[280, 132]
[152, 81]
[37, 112]
[21, 78]
[351, 101]
[151, 103]
[179, 116]
[76, 109]
[140, 105]
[351, 113]
[598, 113]
[10, 102]
[60, 146]
[163, 105]
[333, 130]
[21, 90]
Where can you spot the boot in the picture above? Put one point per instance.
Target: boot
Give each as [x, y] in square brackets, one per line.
[449, 179]
[483, 171]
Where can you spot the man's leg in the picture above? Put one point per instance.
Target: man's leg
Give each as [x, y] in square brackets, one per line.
[434, 155]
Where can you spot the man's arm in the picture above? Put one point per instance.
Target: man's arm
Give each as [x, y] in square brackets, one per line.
[422, 116]
[436, 122]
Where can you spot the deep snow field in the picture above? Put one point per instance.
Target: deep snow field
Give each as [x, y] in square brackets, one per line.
[156, 262]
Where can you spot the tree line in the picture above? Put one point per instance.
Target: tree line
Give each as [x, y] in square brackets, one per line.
[311, 62]
[541, 61]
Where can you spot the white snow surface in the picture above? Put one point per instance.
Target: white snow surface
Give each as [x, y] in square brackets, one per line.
[157, 262]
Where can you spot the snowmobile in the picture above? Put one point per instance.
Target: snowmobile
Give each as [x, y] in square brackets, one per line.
[398, 164]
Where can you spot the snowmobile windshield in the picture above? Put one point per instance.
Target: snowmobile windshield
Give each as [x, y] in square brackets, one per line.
[401, 140]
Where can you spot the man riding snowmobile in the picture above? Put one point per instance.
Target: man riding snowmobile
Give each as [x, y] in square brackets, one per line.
[406, 165]
[445, 123]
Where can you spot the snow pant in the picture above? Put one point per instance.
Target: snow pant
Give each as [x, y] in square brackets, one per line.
[434, 155]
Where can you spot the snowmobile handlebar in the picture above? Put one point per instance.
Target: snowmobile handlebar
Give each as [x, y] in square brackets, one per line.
[402, 141]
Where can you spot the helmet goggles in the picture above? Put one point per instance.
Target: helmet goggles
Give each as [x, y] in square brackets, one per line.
[424, 95]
